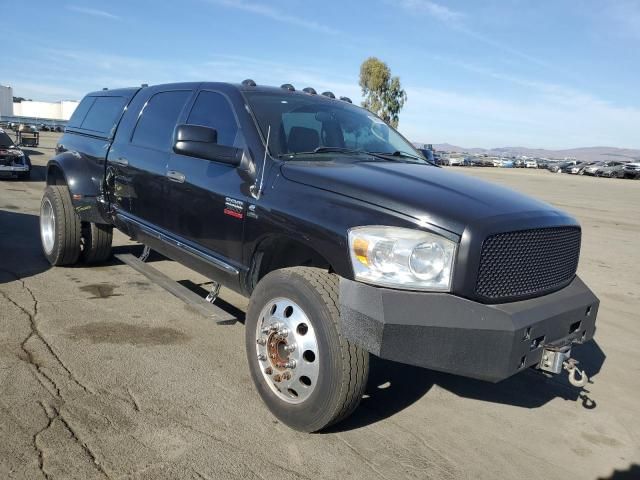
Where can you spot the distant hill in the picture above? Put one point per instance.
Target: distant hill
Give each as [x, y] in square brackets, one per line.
[592, 154]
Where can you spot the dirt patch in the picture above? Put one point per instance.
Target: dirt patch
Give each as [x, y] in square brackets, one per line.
[125, 333]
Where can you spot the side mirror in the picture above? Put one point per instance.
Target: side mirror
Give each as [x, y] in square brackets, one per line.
[201, 142]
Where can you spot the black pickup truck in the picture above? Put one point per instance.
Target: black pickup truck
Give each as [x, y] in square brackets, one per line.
[346, 239]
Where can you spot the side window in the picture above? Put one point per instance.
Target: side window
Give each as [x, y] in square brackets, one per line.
[158, 119]
[213, 110]
[103, 114]
[80, 112]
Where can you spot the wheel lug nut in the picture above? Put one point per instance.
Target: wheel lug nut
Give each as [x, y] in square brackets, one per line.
[268, 370]
[261, 341]
[290, 364]
[283, 332]
[262, 357]
[290, 348]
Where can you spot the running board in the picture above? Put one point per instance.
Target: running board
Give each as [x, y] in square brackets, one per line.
[192, 299]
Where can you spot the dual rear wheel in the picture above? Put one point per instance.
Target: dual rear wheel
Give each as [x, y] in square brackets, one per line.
[65, 239]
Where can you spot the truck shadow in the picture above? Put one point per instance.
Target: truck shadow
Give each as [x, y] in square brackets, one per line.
[392, 387]
[21, 255]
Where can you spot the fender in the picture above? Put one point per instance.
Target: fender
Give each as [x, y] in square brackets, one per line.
[83, 174]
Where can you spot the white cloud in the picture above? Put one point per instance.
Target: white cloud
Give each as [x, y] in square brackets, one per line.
[458, 21]
[432, 8]
[274, 14]
[92, 11]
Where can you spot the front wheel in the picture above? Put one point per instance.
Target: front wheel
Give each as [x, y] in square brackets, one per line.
[308, 374]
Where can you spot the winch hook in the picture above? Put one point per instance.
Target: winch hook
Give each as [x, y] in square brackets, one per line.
[572, 370]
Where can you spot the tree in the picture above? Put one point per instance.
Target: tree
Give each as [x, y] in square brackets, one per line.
[383, 94]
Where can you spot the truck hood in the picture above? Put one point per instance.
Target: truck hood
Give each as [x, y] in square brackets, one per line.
[429, 194]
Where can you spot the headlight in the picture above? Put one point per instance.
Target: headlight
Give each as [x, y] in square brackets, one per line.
[402, 258]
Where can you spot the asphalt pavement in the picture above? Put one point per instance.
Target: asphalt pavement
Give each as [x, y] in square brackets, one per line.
[104, 374]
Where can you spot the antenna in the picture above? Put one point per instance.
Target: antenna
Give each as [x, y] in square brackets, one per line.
[264, 163]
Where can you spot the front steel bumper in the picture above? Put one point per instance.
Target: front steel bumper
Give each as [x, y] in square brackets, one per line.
[456, 335]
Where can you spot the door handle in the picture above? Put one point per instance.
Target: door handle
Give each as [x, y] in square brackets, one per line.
[120, 161]
[175, 176]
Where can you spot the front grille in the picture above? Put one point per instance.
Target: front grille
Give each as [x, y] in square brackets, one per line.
[527, 263]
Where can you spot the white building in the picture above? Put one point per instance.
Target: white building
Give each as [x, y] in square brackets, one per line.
[27, 108]
[6, 101]
[46, 110]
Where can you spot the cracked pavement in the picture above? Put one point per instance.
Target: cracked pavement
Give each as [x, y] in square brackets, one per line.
[105, 375]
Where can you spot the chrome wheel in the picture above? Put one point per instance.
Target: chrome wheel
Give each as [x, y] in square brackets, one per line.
[287, 350]
[47, 225]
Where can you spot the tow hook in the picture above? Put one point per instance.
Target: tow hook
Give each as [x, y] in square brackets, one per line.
[556, 359]
[570, 367]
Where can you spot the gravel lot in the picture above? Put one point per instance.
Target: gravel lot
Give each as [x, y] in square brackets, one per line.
[104, 374]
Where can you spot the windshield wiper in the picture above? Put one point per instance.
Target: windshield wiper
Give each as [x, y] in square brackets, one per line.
[325, 150]
[400, 154]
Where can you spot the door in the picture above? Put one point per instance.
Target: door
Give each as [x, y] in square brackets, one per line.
[140, 161]
[207, 205]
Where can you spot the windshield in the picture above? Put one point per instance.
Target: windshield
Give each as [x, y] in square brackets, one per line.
[5, 140]
[304, 124]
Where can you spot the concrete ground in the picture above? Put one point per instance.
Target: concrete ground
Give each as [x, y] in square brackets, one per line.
[105, 375]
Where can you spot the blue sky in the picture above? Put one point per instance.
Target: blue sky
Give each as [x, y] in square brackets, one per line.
[478, 73]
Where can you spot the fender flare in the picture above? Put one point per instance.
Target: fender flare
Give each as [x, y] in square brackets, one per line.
[71, 170]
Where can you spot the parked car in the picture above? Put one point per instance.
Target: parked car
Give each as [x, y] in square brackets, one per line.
[456, 161]
[479, 162]
[14, 163]
[611, 169]
[544, 164]
[519, 163]
[386, 254]
[505, 163]
[576, 169]
[591, 168]
[632, 170]
[439, 159]
[531, 163]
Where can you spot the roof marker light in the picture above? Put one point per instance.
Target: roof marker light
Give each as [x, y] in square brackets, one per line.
[310, 91]
[328, 94]
[346, 99]
[248, 83]
[288, 86]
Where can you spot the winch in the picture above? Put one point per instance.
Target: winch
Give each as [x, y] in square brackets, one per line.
[556, 359]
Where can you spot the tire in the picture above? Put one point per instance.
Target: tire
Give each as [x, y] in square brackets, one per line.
[59, 227]
[95, 242]
[336, 374]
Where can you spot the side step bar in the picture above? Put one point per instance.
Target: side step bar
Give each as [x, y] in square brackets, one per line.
[202, 306]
